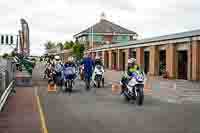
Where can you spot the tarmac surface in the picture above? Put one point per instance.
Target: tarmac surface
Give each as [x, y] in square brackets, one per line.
[101, 111]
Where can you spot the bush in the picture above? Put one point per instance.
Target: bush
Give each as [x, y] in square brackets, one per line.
[5, 55]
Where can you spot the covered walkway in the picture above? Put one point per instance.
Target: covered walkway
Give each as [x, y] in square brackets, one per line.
[177, 55]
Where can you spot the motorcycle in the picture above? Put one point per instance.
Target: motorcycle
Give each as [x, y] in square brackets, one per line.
[52, 77]
[69, 73]
[134, 88]
[99, 76]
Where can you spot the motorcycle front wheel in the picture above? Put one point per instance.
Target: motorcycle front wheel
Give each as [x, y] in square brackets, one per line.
[140, 97]
[70, 85]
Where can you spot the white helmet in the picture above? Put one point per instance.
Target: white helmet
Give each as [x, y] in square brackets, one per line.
[131, 60]
[70, 59]
[57, 57]
[97, 57]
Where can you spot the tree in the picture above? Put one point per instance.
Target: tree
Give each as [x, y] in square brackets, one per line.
[49, 45]
[67, 45]
[71, 44]
[60, 45]
[78, 50]
[13, 54]
[5, 55]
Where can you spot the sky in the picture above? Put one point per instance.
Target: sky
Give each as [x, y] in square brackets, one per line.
[59, 20]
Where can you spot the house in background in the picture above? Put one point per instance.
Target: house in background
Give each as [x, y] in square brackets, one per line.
[104, 32]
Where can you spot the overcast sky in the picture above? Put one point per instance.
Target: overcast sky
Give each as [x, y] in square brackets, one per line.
[59, 20]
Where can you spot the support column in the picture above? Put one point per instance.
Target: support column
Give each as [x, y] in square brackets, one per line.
[195, 60]
[103, 58]
[171, 60]
[140, 56]
[127, 57]
[119, 59]
[189, 63]
[110, 59]
[154, 61]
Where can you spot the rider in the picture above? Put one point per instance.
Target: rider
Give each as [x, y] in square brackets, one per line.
[97, 61]
[88, 67]
[132, 67]
[69, 68]
[59, 69]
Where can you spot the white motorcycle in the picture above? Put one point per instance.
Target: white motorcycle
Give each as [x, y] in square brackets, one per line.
[134, 88]
[99, 76]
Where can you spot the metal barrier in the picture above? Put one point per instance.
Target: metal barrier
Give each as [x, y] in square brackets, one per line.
[5, 95]
[7, 79]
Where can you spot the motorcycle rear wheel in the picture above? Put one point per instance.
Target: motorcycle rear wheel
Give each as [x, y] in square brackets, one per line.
[103, 82]
[70, 85]
[98, 84]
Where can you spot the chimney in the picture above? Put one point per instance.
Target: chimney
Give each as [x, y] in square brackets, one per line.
[103, 16]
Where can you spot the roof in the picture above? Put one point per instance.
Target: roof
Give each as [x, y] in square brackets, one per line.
[105, 26]
[181, 35]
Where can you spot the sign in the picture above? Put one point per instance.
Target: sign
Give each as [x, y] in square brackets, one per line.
[25, 33]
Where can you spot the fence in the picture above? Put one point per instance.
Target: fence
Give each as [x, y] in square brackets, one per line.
[7, 73]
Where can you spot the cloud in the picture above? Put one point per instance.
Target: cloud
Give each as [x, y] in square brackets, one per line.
[60, 20]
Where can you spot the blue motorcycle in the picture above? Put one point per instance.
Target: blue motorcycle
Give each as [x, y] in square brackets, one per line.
[69, 76]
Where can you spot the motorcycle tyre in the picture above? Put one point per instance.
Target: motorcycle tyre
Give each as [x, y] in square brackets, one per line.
[140, 98]
[98, 84]
[126, 98]
[70, 86]
[103, 82]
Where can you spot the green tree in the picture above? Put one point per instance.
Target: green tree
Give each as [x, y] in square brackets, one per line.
[78, 50]
[67, 45]
[13, 54]
[5, 55]
[60, 45]
[71, 44]
[49, 45]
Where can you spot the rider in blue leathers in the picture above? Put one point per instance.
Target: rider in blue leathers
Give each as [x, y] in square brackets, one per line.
[88, 67]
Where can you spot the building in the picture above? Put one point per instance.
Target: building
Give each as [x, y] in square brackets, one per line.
[104, 32]
[7, 43]
[64, 54]
[176, 54]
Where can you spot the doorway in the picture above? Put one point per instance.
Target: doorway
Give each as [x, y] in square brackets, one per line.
[115, 60]
[132, 53]
[146, 62]
[123, 60]
[162, 62]
[182, 64]
[107, 60]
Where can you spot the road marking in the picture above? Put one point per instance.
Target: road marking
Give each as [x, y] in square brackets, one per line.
[43, 124]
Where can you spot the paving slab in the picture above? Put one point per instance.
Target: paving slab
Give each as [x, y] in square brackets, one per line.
[20, 114]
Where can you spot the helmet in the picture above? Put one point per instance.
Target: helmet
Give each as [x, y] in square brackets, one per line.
[131, 60]
[57, 57]
[97, 57]
[70, 59]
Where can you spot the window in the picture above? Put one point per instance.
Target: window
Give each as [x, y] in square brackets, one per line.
[11, 39]
[6, 39]
[2, 39]
[97, 38]
[114, 39]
